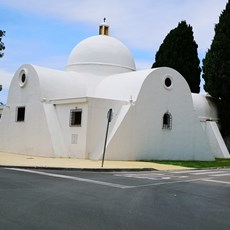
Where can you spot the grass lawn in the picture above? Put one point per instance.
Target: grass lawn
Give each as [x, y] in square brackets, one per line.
[198, 164]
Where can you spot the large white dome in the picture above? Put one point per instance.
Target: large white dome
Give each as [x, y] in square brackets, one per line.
[101, 55]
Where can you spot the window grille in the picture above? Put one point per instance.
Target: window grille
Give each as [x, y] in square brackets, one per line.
[167, 121]
[75, 117]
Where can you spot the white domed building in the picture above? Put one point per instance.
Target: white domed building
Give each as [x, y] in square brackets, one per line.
[64, 113]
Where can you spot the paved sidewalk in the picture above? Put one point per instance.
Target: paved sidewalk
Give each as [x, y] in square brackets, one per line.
[18, 160]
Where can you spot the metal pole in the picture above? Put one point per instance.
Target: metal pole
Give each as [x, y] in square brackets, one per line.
[109, 117]
[106, 135]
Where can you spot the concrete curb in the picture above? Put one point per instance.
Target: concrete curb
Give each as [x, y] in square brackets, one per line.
[82, 169]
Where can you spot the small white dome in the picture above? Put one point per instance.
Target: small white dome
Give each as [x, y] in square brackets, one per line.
[101, 55]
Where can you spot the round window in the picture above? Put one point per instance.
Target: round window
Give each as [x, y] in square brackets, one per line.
[168, 82]
[22, 78]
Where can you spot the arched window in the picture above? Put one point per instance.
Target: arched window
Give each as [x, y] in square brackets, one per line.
[167, 121]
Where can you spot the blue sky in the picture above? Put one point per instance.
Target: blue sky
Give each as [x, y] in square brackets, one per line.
[44, 32]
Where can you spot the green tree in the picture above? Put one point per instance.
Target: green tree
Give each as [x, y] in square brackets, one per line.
[2, 47]
[179, 51]
[216, 68]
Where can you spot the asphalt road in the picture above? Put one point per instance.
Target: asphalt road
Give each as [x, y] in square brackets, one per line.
[48, 199]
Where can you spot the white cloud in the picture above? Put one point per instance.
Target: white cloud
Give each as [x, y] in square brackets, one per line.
[141, 24]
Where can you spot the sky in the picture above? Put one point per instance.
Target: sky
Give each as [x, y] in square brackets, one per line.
[44, 32]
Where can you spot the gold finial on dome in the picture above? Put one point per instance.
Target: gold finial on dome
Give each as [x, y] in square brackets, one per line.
[104, 28]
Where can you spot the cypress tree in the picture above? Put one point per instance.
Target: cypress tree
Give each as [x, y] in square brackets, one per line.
[216, 69]
[179, 51]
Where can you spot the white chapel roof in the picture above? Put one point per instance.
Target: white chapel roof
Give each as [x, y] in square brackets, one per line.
[101, 54]
[52, 84]
[205, 106]
[125, 86]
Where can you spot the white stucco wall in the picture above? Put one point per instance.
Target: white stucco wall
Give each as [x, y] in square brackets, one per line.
[143, 124]
[97, 122]
[48, 96]
[30, 136]
[74, 137]
[138, 99]
[218, 147]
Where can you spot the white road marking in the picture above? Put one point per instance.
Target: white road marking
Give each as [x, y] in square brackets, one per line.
[124, 186]
[152, 176]
[187, 171]
[166, 178]
[209, 172]
[140, 175]
[71, 178]
[223, 174]
[165, 183]
[216, 181]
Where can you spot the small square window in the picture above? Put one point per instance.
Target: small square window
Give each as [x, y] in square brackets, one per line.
[20, 114]
[75, 117]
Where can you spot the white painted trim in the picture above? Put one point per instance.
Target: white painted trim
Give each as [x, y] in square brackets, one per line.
[101, 63]
[68, 101]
